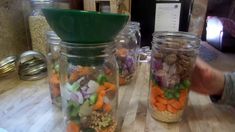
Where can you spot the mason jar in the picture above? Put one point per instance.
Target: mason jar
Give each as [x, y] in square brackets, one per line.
[38, 25]
[53, 57]
[89, 86]
[135, 26]
[172, 63]
[126, 54]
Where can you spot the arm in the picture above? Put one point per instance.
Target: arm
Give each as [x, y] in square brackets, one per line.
[210, 81]
[228, 96]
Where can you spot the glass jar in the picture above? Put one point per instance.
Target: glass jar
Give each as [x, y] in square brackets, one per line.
[126, 54]
[53, 57]
[38, 25]
[89, 86]
[172, 62]
[135, 26]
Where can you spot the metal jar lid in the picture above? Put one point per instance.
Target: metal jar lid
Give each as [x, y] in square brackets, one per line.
[32, 66]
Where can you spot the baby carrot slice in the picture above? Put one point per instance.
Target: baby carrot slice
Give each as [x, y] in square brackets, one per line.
[159, 91]
[101, 88]
[162, 100]
[110, 86]
[54, 79]
[55, 91]
[99, 103]
[160, 107]
[176, 104]
[107, 107]
[171, 109]
[72, 127]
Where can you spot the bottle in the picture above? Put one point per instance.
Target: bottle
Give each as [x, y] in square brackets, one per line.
[127, 45]
[89, 86]
[172, 63]
[159, 15]
[38, 25]
[53, 57]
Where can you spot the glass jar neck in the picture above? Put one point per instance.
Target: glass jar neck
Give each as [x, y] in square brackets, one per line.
[38, 5]
[87, 54]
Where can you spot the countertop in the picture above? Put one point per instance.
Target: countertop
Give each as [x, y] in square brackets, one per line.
[25, 106]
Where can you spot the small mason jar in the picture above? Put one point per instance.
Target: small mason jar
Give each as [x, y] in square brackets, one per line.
[53, 57]
[38, 25]
[172, 62]
[127, 54]
[89, 86]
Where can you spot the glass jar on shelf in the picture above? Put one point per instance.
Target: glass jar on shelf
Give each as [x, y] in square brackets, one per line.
[89, 86]
[38, 25]
[126, 54]
[172, 62]
[53, 57]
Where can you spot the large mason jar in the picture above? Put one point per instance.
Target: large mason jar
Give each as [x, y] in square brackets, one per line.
[172, 62]
[89, 86]
[126, 54]
[38, 25]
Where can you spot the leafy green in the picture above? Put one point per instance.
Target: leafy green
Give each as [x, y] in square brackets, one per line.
[93, 99]
[73, 110]
[186, 83]
[101, 79]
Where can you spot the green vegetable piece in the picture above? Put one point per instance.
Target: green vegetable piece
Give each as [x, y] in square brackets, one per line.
[93, 99]
[57, 67]
[177, 87]
[186, 83]
[168, 94]
[177, 95]
[101, 79]
[85, 109]
[181, 86]
[75, 86]
[73, 110]
[69, 86]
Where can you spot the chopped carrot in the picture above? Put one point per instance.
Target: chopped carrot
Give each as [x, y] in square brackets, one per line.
[162, 100]
[171, 109]
[107, 107]
[182, 100]
[159, 90]
[176, 104]
[72, 127]
[160, 107]
[102, 93]
[110, 86]
[122, 81]
[80, 71]
[54, 79]
[101, 88]
[99, 103]
[183, 97]
[55, 91]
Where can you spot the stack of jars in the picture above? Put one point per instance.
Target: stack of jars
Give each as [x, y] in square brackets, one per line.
[128, 42]
[88, 74]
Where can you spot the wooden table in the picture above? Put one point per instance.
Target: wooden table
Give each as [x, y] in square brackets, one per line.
[25, 106]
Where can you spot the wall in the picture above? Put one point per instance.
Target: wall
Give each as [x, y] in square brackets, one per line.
[13, 40]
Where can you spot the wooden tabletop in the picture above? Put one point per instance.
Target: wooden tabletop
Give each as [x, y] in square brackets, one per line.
[25, 106]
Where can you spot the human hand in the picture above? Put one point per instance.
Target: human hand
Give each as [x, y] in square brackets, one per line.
[206, 79]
